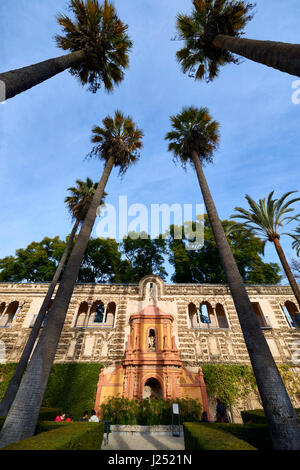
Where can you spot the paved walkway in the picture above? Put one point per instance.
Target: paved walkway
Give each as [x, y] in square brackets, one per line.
[143, 441]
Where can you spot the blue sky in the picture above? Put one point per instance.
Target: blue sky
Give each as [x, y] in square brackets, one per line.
[45, 132]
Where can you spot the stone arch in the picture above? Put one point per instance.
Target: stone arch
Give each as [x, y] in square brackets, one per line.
[158, 286]
[207, 311]
[193, 315]
[221, 316]
[9, 314]
[259, 314]
[82, 314]
[110, 313]
[152, 388]
[97, 313]
[291, 311]
[2, 307]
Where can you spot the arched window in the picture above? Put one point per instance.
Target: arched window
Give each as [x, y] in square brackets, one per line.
[82, 314]
[45, 317]
[110, 313]
[97, 314]
[193, 315]
[291, 311]
[259, 314]
[9, 314]
[206, 313]
[221, 316]
[2, 308]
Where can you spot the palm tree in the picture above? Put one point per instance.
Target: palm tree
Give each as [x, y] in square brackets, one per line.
[212, 35]
[266, 218]
[99, 47]
[117, 143]
[78, 204]
[193, 139]
[296, 242]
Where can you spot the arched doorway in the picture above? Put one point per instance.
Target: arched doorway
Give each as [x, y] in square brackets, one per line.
[152, 389]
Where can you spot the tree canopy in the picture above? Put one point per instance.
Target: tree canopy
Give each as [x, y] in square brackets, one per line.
[204, 266]
[107, 261]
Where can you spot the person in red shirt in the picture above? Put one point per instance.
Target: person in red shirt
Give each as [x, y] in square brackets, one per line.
[60, 417]
[69, 419]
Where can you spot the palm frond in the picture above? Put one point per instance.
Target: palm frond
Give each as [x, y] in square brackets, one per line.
[96, 30]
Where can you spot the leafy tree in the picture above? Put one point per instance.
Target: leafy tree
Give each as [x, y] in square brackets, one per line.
[204, 265]
[98, 43]
[117, 143]
[145, 256]
[267, 218]
[102, 262]
[212, 35]
[36, 263]
[193, 139]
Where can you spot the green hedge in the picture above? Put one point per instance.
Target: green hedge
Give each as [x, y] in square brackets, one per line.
[71, 387]
[144, 412]
[206, 436]
[256, 435]
[63, 436]
[257, 416]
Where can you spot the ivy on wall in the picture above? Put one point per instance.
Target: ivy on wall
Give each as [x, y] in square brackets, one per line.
[229, 383]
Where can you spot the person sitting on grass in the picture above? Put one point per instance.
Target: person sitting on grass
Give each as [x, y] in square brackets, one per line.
[60, 417]
[94, 418]
[85, 416]
[69, 419]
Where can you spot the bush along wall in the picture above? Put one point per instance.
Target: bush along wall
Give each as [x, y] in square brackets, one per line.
[229, 383]
[72, 387]
[145, 412]
[209, 437]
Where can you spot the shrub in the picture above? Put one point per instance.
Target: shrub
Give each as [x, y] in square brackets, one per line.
[208, 437]
[63, 436]
[257, 416]
[255, 434]
[229, 382]
[144, 412]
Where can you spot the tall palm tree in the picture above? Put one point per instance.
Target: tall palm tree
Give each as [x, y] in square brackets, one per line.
[78, 204]
[193, 139]
[212, 35]
[266, 218]
[117, 143]
[99, 47]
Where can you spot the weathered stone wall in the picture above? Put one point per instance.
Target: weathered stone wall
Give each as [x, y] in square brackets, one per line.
[106, 343]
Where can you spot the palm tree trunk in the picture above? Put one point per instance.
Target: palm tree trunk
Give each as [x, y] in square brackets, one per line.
[14, 384]
[280, 414]
[287, 270]
[23, 415]
[19, 80]
[279, 55]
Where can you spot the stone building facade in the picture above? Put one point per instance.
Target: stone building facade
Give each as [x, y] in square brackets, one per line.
[153, 337]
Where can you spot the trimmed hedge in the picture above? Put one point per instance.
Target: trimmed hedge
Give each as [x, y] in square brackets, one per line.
[258, 416]
[206, 436]
[63, 436]
[256, 435]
